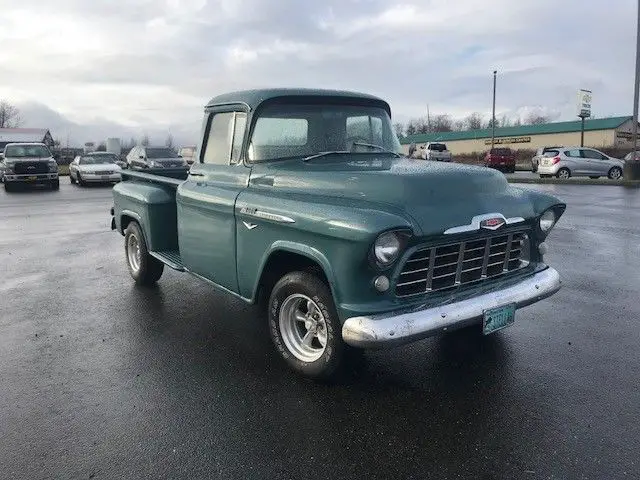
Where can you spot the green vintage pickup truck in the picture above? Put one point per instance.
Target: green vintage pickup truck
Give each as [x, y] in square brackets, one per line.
[299, 200]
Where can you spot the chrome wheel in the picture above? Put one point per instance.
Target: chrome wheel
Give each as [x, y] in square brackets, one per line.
[303, 327]
[564, 173]
[133, 253]
[615, 173]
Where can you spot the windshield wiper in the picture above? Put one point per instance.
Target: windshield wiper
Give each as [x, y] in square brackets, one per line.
[324, 154]
[379, 147]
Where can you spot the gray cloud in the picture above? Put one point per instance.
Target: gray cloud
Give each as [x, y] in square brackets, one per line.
[153, 64]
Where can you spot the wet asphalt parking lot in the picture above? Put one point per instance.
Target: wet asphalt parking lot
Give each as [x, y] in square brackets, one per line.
[100, 379]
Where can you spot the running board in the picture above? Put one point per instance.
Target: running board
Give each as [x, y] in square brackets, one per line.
[171, 258]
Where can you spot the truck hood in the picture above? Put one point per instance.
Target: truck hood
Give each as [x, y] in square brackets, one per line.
[434, 196]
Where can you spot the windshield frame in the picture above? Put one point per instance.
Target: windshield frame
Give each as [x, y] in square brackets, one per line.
[366, 107]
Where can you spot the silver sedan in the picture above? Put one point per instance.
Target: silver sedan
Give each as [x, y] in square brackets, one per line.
[568, 162]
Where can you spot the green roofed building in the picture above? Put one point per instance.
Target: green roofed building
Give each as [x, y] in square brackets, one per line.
[599, 133]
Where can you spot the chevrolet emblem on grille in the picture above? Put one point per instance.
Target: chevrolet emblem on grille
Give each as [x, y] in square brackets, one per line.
[492, 223]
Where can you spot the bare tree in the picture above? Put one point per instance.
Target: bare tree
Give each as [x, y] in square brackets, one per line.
[517, 122]
[399, 129]
[504, 121]
[441, 123]
[422, 126]
[169, 141]
[144, 141]
[459, 125]
[474, 121]
[9, 115]
[489, 124]
[536, 119]
[411, 127]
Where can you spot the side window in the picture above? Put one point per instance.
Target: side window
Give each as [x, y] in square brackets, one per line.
[238, 136]
[218, 146]
[367, 127]
[575, 153]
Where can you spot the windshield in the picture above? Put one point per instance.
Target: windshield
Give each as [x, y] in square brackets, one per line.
[96, 160]
[161, 153]
[26, 151]
[297, 130]
[111, 157]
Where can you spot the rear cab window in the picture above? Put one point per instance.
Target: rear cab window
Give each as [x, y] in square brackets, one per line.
[501, 151]
[438, 147]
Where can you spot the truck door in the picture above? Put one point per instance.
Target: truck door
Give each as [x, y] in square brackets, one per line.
[206, 200]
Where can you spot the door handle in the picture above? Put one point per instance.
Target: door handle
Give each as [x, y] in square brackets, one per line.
[196, 174]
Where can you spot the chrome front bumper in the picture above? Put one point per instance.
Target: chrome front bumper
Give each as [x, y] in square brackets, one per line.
[395, 328]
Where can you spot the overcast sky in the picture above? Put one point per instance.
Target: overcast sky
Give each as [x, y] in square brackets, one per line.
[96, 68]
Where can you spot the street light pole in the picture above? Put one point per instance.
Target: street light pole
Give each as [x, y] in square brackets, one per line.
[636, 89]
[493, 115]
[632, 168]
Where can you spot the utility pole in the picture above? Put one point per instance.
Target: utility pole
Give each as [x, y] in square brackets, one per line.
[493, 115]
[582, 131]
[632, 168]
[636, 90]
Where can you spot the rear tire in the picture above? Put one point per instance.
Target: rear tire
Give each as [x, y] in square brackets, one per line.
[144, 269]
[563, 173]
[304, 326]
[615, 173]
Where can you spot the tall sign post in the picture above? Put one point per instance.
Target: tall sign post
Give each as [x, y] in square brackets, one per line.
[493, 114]
[584, 109]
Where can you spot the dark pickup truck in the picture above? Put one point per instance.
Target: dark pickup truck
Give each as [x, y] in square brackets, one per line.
[299, 200]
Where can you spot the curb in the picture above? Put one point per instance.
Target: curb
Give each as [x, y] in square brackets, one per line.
[576, 181]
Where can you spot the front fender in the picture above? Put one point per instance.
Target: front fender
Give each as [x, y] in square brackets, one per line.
[310, 253]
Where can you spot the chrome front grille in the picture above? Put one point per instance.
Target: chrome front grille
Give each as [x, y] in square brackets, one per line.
[445, 266]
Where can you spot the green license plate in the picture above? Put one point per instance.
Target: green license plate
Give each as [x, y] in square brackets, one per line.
[498, 318]
[32, 178]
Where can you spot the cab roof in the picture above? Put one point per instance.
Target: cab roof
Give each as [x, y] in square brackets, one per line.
[254, 98]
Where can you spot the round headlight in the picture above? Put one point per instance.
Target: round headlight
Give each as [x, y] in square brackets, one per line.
[547, 220]
[387, 248]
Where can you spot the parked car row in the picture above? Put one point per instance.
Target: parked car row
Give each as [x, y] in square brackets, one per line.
[33, 163]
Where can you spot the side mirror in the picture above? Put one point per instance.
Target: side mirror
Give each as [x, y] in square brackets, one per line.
[141, 157]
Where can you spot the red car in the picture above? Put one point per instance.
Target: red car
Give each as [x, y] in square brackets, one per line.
[503, 159]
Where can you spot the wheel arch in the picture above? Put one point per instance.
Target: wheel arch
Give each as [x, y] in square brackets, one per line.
[126, 217]
[284, 257]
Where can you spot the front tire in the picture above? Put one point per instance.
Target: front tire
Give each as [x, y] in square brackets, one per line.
[55, 184]
[79, 180]
[8, 187]
[615, 173]
[144, 269]
[304, 325]
[71, 179]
